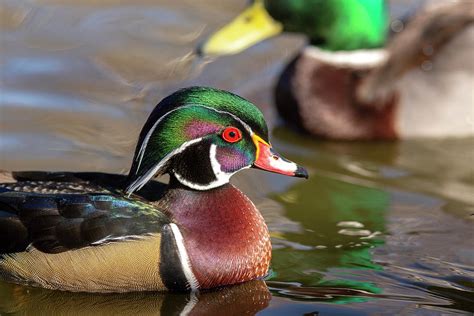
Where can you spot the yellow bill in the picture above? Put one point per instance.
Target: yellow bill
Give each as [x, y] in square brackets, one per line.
[250, 27]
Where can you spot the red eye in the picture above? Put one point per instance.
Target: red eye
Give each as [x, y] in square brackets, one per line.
[232, 134]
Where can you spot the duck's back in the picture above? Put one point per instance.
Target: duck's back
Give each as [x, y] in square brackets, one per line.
[60, 232]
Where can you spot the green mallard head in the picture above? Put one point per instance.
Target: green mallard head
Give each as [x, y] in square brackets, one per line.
[329, 24]
[202, 136]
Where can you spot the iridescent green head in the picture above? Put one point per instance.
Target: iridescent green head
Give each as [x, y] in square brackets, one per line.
[202, 136]
[329, 24]
[334, 24]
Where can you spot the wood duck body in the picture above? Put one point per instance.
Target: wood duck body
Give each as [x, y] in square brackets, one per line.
[85, 232]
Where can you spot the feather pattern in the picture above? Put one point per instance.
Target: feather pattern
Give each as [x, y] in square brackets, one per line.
[80, 232]
[131, 265]
[56, 222]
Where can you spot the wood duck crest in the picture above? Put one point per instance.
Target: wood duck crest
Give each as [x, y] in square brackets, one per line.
[79, 232]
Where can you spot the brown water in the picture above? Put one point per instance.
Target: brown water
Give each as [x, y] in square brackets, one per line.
[379, 228]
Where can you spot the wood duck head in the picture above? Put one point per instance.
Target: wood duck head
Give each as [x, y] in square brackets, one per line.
[201, 137]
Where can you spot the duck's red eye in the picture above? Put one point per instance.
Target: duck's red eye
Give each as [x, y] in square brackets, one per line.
[232, 134]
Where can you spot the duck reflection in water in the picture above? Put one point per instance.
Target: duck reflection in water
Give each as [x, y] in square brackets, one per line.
[243, 299]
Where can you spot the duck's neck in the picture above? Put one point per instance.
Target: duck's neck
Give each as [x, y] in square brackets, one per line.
[225, 236]
[323, 87]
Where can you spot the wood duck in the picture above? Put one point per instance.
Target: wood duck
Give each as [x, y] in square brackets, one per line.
[94, 232]
[353, 82]
[243, 299]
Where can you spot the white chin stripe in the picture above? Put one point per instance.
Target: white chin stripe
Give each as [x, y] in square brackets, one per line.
[198, 186]
[221, 176]
[362, 58]
[184, 258]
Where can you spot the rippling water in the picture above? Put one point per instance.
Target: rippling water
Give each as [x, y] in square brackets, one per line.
[379, 228]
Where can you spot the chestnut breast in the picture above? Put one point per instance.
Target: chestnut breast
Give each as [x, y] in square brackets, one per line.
[224, 234]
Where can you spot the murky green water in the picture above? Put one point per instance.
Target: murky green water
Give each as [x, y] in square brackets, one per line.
[379, 228]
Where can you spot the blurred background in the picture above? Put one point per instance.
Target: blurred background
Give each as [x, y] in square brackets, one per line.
[379, 228]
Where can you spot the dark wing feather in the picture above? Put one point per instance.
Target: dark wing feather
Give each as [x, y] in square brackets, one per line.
[87, 181]
[55, 223]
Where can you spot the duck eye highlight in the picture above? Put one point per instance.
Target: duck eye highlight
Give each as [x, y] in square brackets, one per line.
[231, 134]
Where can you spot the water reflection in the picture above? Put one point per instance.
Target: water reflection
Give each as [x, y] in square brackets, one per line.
[243, 299]
[367, 229]
[341, 223]
[439, 167]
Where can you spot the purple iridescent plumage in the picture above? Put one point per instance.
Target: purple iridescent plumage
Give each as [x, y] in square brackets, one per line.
[197, 128]
[232, 159]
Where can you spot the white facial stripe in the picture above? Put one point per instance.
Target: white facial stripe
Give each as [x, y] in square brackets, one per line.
[246, 126]
[141, 181]
[141, 152]
[184, 258]
[196, 186]
[221, 176]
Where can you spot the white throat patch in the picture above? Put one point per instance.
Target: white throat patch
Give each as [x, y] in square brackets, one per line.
[222, 177]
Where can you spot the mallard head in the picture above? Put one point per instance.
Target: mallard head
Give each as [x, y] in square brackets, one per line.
[202, 136]
[329, 24]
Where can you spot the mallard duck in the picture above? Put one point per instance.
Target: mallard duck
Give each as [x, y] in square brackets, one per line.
[96, 232]
[352, 81]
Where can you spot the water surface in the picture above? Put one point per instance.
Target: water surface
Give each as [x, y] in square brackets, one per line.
[379, 228]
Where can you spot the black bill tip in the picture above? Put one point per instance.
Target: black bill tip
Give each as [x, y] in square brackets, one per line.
[301, 173]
